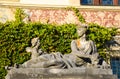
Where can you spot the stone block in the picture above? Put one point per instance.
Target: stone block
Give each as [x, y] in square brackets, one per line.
[46, 73]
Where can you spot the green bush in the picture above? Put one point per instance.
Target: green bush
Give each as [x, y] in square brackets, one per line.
[100, 35]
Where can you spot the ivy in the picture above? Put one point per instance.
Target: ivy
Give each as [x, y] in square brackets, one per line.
[77, 13]
[19, 15]
[100, 35]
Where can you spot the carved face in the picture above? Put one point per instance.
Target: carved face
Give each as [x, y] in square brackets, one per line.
[81, 31]
[35, 41]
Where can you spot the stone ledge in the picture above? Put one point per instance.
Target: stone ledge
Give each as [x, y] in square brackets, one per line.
[48, 2]
[77, 73]
[23, 5]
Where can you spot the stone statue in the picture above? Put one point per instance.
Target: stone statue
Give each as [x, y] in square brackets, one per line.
[83, 52]
[35, 48]
[84, 48]
[82, 62]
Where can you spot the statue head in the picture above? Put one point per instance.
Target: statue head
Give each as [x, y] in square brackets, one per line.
[81, 29]
[35, 41]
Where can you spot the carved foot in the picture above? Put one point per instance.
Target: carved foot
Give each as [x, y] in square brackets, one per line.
[8, 68]
[16, 65]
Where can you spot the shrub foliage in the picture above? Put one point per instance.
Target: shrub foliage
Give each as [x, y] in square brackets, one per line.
[101, 35]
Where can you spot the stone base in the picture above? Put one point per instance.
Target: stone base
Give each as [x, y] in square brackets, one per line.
[76, 73]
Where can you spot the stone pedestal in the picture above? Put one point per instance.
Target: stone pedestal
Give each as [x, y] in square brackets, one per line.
[76, 73]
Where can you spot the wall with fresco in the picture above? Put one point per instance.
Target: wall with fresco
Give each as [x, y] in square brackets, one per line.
[56, 16]
[106, 18]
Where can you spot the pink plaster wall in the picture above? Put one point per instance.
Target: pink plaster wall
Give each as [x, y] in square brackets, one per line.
[60, 16]
[108, 18]
[104, 17]
[56, 16]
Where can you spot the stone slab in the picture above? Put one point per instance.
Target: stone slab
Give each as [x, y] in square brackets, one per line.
[78, 73]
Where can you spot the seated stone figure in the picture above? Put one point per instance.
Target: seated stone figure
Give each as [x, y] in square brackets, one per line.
[83, 52]
[85, 49]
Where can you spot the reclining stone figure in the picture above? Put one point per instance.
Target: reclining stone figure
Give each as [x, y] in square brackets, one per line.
[83, 52]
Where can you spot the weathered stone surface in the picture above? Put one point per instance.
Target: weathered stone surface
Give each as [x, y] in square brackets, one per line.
[117, 39]
[47, 73]
[115, 46]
